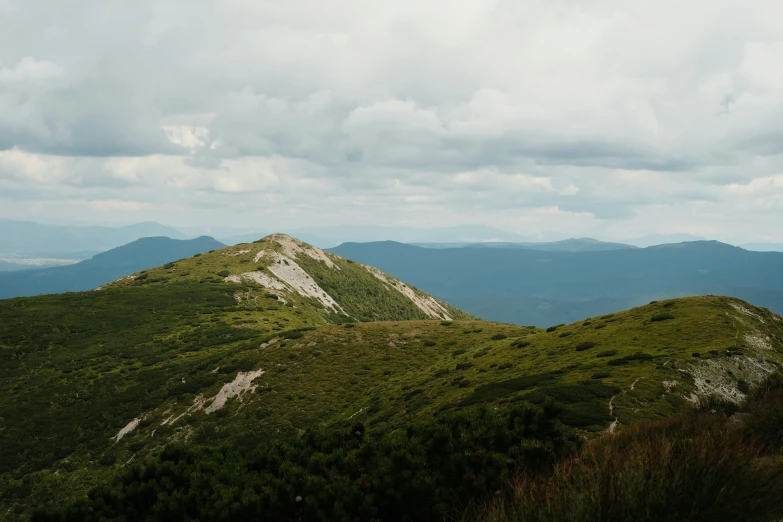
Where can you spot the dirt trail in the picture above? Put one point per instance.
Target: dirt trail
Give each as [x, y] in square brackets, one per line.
[613, 424]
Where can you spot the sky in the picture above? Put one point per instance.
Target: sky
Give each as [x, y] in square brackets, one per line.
[549, 118]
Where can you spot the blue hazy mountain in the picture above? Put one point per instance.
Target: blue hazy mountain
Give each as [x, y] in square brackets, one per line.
[103, 268]
[584, 244]
[526, 286]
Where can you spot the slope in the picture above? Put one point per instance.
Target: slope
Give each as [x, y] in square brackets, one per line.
[102, 268]
[237, 347]
[545, 288]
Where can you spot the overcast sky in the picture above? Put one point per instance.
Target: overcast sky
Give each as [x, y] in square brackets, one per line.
[555, 118]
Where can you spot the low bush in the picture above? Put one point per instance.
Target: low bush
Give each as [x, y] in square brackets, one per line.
[584, 346]
[690, 467]
[662, 317]
[418, 472]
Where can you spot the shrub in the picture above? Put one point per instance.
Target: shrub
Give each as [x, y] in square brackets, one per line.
[662, 317]
[499, 337]
[600, 375]
[606, 353]
[419, 472]
[552, 328]
[446, 323]
[689, 467]
[520, 343]
[584, 346]
[429, 342]
[224, 273]
[169, 265]
[565, 334]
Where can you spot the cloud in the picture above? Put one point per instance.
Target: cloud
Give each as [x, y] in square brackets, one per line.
[594, 114]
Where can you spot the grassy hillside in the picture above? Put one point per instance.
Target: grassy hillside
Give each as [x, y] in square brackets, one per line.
[186, 354]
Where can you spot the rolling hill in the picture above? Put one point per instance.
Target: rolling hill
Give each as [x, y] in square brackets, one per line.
[102, 268]
[257, 342]
[544, 288]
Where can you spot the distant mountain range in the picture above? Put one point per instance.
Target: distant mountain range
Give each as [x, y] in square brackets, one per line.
[29, 239]
[329, 237]
[545, 287]
[584, 244]
[102, 268]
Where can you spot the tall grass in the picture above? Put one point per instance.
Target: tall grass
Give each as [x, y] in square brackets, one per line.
[696, 466]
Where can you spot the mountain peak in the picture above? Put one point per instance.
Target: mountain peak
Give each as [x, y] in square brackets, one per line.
[320, 287]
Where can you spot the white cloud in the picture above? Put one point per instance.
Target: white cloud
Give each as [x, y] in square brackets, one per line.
[30, 70]
[571, 116]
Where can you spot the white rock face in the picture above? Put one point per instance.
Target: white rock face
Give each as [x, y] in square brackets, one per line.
[286, 269]
[293, 247]
[257, 277]
[127, 429]
[425, 303]
[242, 383]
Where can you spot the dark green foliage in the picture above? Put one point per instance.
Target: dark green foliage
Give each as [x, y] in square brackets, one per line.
[224, 273]
[565, 334]
[429, 342]
[349, 325]
[743, 386]
[499, 337]
[638, 356]
[662, 317]
[424, 471]
[580, 404]
[606, 353]
[520, 343]
[600, 375]
[695, 354]
[551, 329]
[446, 323]
[496, 390]
[584, 346]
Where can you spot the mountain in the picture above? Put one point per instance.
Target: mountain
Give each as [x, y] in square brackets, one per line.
[585, 244]
[276, 341]
[29, 239]
[661, 239]
[328, 237]
[102, 268]
[524, 286]
[763, 247]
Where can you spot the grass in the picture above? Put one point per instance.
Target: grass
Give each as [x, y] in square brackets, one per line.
[76, 368]
[695, 466]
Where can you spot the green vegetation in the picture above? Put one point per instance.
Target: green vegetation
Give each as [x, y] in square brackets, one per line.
[422, 472]
[697, 465]
[96, 382]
